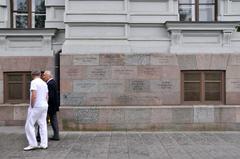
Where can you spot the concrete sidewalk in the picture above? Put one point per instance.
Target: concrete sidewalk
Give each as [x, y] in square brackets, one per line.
[124, 145]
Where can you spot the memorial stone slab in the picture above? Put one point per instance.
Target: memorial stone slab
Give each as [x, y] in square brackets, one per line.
[121, 99]
[149, 72]
[170, 72]
[165, 86]
[138, 115]
[87, 115]
[233, 72]
[234, 59]
[89, 59]
[117, 116]
[187, 62]
[116, 86]
[138, 86]
[146, 99]
[66, 60]
[161, 115]
[156, 59]
[98, 72]
[233, 85]
[182, 115]
[219, 62]
[203, 114]
[233, 98]
[73, 72]
[98, 99]
[112, 59]
[85, 86]
[228, 115]
[124, 72]
[73, 99]
[137, 59]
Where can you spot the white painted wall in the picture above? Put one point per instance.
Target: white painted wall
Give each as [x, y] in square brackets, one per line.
[3, 14]
[55, 13]
[26, 42]
[137, 26]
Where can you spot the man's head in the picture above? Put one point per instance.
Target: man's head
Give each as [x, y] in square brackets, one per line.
[35, 73]
[47, 75]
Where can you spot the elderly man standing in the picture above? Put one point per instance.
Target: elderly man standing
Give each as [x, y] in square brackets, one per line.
[37, 112]
[52, 102]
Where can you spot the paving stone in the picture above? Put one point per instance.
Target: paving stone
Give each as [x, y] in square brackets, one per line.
[124, 145]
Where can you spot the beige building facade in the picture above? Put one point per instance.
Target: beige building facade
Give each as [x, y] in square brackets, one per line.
[125, 64]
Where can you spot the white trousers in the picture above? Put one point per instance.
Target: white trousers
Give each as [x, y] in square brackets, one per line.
[38, 115]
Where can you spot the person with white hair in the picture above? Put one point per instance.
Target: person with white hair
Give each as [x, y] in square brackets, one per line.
[53, 103]
[37, 112]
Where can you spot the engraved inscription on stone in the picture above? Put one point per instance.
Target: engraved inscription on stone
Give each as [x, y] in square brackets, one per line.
[87, 115]
[112, 59]
[149, 72]
[138, 86]
[98, 99]
[234, 85]
[165, 86]
[86, 60]
[123, 100]
[124, 72]
[111, 86]
[148, 99]
[137, 59]
[163, 60]
[85, 86]
[73, 99]
[98, 72]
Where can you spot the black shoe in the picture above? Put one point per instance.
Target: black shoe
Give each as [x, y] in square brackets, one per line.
[38, 139]
[55, 138]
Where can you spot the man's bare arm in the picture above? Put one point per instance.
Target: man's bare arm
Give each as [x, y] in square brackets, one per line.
[33, 97]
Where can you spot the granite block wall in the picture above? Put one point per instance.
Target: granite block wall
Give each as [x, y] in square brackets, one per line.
[142, 92]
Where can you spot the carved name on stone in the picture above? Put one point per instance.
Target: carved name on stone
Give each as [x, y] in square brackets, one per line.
[99, 99]
[139, 86]
[163, 60]
[72, 99]
[138, 59]
[85, 86]
[235, 86]
[109, 59]
[164, 86]
[98, 72]
[124, 72]
[86, 60]
[111, 86]
[87, 115]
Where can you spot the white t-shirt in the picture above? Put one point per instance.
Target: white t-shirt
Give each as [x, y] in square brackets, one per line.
[41, 88]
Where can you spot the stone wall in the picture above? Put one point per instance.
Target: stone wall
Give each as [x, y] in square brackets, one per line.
[142, 92]
[174, 118]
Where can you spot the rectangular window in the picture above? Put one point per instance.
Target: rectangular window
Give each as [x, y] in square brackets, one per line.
[28, 13]
[203, 87]
[16, 87]
[198, 10]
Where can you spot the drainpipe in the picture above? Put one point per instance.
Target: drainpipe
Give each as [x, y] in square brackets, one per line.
[57, 72]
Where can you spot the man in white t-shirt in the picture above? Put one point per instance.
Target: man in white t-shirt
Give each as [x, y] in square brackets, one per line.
[37, 112]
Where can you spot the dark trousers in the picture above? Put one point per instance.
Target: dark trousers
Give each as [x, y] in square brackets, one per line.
[54, 124]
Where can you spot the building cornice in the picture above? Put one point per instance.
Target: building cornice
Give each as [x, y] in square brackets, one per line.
[174, 25]
[28, 32]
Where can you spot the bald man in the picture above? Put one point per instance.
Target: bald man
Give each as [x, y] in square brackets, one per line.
[53, 105]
